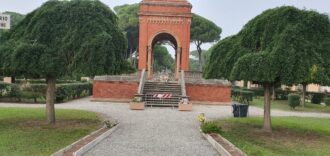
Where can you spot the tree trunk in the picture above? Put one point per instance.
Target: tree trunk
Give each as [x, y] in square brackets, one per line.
[200, 60]
[50, 98]
[245, 84]
[130, 55]
[303, 96]
[13, 80]
[267, 118]
[273, 92]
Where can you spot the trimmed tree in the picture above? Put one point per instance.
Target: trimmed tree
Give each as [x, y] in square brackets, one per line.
[65, 38]
[203, 31]
[279, 46]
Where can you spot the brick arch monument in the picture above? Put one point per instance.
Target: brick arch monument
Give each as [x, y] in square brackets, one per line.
[164, 20]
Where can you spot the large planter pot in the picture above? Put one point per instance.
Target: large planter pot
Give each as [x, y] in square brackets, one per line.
[240, 110]
[185, 107]
[136, 105]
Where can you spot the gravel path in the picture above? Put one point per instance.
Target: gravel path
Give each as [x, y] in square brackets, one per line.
[157, 131]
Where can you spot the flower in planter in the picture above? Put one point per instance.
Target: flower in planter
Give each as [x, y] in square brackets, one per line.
[201, 118]
[137, 99]
[184, 101]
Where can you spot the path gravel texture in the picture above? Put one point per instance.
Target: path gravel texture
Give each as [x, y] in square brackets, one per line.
[157, 131]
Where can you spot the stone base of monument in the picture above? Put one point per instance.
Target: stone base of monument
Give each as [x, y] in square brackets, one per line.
[136, 105]
[185, 107]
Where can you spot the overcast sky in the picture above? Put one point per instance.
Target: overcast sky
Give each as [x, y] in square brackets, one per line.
[230, 15]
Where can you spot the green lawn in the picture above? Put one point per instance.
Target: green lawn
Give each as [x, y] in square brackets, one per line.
[23, 131]
[292, 136]
[283, 105]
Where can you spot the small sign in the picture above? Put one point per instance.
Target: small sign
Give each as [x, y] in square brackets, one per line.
[162, 96]
[4, 21]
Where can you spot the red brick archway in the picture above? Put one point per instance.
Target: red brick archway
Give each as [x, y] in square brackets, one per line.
[164, 20]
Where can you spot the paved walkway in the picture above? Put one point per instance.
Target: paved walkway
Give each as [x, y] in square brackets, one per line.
[157, 131]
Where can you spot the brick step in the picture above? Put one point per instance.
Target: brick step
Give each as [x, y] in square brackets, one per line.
[161, 91]
[154, 86]
[162, 105]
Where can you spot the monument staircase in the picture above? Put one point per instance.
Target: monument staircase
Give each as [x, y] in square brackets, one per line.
[162, 94]
[162, 91]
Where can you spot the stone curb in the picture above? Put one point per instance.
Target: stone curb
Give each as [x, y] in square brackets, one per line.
[63, 150]
[93, 143]
[221, 150]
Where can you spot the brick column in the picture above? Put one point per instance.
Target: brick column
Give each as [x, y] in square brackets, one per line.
[178, 63]
[149, 62]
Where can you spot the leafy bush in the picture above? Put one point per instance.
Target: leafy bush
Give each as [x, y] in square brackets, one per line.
[293, 100]
[72, 91]
[317, 98]
[210, 127]
[9, 90]
[327, 101]
[242, 96]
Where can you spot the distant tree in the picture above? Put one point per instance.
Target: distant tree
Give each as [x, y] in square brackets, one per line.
[65, 38]
[163, 59]
[129, 22]
[203, 31]
[194, 62]
[281, 45]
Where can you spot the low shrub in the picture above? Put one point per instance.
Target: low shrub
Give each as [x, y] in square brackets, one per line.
[210, 127]
[317, 98]
[327, 101]
[293, 100]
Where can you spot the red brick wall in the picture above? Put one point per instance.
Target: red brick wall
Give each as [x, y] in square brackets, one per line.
[114, 89]
[209, 93]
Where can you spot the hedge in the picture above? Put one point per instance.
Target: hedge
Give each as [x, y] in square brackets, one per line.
[327, 101]
[42, 81]
[38, 91]
[242, 96]
[316, 97]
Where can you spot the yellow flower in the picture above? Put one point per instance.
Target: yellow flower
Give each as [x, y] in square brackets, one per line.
[201, 118]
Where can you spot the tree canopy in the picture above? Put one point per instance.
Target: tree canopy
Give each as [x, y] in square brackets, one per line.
[129, 23]
[283, 45]
[203, 31]
[163, 59]
[64, 38]
[289, 40]
[77, 37]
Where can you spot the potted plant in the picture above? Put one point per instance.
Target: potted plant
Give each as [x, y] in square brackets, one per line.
[241, 99]
[137, 104]
[185, 105]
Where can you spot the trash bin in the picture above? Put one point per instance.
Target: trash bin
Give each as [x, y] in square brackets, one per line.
[240, 110]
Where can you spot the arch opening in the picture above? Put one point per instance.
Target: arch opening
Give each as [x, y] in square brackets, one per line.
[158, 56]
